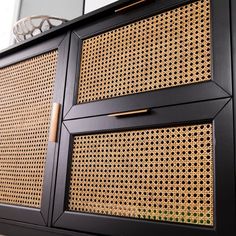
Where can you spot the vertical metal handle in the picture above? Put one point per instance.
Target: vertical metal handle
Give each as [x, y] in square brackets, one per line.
[54, 122]
[129, 6]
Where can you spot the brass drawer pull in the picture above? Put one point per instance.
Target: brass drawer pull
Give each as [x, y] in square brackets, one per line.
[129, 6]
[127, 113]
[54, 122]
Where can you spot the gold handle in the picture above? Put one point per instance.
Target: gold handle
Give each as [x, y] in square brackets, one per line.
[54, 122]
[129, 6]
[127, 113]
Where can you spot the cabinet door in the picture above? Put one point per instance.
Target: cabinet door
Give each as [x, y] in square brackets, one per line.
[167, 172]
[32, 80]
[162, 53]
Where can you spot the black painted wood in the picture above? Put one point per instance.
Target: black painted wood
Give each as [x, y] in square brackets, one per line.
[62, 173]
[220, 86]
[12, 228]
[31, 51]
[233, 41]
[157, 117]
[73, 72]
[51, 160]
[166, 97]
[224, 172]
[219, 111]
[221, 44]
[23, 214]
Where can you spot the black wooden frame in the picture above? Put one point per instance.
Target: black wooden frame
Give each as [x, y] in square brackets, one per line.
[27, 214]
[219, 87]
[233, 45]
[220, 112]
[12, 228]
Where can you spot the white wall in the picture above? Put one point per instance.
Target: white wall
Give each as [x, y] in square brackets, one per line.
[68, 9]
[91, 5]
[8, 15]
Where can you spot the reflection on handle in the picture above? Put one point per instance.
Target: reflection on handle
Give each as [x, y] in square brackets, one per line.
[127, 113]
[54, 122]
[129, 6]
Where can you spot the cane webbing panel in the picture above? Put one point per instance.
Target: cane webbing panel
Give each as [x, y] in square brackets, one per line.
[170, 49]
[26, 91]
[157, 174]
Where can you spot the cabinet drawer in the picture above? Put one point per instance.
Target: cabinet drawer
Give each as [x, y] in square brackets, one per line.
[156, 55]
[148, 173]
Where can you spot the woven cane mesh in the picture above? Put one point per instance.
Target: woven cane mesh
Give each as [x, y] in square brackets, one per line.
[166, 50]
[26, 91]
[158, 174]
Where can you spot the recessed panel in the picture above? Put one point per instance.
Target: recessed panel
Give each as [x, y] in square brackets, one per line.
[26, 91]
[163, 174]
[166, 50]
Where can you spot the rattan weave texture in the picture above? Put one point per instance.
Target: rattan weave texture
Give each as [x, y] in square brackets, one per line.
[158, 174]
[170, 49]
[26, 91]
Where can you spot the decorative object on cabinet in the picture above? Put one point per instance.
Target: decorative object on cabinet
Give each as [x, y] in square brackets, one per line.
[32, 25]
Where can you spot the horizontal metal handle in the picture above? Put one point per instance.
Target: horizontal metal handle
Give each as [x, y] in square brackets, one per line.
[129, 6]
[54, 122]
[127, 113]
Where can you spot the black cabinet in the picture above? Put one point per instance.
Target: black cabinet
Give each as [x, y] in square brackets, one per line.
[122, 123]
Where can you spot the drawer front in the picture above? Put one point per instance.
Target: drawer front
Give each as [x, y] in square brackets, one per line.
[28, 89]
[153, 173]
[166, 50]
[163, 55]
[158, 174]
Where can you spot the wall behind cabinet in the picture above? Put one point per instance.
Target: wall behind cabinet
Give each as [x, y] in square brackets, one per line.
[91, 5]
[68, 9]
